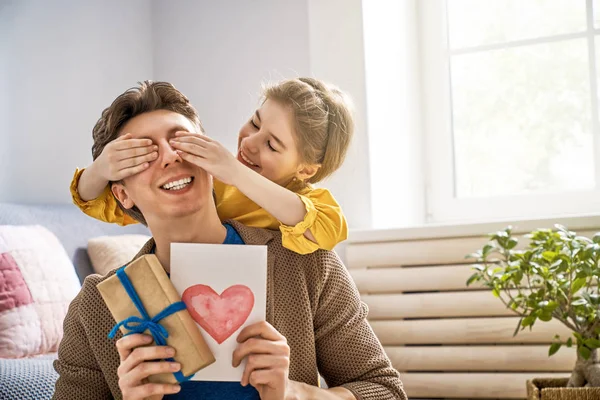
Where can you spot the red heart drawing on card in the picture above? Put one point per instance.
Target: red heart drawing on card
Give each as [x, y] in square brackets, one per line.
[219, 315]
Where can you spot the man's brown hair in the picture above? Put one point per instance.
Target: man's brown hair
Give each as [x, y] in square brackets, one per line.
[146, 97]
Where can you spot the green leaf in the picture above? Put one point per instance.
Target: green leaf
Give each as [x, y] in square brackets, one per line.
[560, 227]
[570, 342]
[545, 316]
[472, 278]
[554, 348]
[578, 284]
[579, 302]
[552, 305]
[592, 343]
[511, 243]
[486, 249]
[518, 327]
[529, 320]
[549, 255]
[585, 352]
[495, 292]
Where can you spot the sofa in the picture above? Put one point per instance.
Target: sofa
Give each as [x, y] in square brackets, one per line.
[34, 378]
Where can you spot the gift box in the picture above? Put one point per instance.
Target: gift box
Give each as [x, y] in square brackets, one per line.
[142, 298]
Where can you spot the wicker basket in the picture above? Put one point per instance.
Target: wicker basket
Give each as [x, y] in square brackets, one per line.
[556, 389]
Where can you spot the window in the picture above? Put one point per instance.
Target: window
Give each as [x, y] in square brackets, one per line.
[510, 98]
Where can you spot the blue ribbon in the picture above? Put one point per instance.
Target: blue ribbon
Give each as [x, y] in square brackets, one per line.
[136, 324]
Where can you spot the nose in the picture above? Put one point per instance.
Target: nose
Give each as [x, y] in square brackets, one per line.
[251, 143]
[168, 155]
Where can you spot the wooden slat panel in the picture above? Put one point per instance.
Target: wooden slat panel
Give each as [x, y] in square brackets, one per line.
[517, 358]
[418, 252]
[412, 252]
[414, 279]
[471, 385]
[465, 331]
[427, 305]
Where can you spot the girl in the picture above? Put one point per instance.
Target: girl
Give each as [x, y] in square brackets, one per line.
[298, 136]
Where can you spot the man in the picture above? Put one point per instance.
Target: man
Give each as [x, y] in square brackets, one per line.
[315, 324]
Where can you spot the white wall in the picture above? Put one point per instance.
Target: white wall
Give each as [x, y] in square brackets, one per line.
[393, 84]
[66, 61]
[69, 59]
[337, 55]
[218, 53]
[6, 11]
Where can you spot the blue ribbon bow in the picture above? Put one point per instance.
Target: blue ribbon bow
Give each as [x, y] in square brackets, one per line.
[136, 324]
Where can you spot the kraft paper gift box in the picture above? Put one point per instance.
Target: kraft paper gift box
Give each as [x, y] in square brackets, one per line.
[156, 293]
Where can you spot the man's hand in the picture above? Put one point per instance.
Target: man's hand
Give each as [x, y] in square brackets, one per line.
[137, 364]
[124, 157]
[268, 356]
[207, 154]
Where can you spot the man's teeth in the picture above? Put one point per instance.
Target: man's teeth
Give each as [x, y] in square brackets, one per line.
[177, 185]
[246, 159]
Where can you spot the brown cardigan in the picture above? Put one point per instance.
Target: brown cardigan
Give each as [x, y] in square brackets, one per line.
[311, 300]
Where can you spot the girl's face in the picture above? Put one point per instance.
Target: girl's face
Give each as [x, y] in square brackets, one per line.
[267, 144]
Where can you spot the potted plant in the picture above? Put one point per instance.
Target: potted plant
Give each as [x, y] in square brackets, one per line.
[555, 276]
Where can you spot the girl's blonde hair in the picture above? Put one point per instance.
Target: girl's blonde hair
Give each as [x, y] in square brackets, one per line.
[324, 121]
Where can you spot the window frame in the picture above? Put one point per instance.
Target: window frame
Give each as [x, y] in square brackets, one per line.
[441, 203]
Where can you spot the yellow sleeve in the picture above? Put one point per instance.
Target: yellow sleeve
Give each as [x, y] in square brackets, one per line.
[104, 207]
[325, 220]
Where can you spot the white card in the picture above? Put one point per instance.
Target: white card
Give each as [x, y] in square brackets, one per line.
[225, 289]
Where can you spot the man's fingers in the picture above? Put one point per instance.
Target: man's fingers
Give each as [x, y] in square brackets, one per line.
[262, 361]
[147, 353]
[127, 343]
[263, 377]
[151, 389]
[145, 369]
[259, 346]
[262, 329]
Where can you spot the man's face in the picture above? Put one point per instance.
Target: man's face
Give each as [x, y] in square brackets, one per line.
[170, 187]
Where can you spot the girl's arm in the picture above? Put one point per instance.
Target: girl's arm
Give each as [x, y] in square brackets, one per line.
[104, 207]
[281, 203]
[306, 224]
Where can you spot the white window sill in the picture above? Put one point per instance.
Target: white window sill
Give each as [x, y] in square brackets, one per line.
[452, 230]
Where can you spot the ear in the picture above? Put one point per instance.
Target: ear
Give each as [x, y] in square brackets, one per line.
[307, 171]
[120, 192]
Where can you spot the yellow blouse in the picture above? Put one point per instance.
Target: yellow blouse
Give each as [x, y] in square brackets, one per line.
[324, 216]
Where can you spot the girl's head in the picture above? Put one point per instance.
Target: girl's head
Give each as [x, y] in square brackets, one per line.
[302, 130]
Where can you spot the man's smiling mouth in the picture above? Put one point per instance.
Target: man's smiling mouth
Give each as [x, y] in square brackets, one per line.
[177, 184]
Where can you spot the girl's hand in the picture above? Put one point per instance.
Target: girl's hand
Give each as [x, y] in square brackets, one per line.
[208, 154]
[268, 357]
[137, 364]
[124, 157]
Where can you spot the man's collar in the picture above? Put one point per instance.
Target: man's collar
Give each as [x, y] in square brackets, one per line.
[250, 235]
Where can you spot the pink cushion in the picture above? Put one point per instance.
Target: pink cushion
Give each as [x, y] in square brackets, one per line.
[37, 283]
